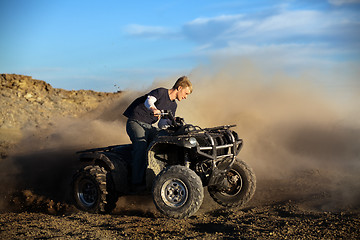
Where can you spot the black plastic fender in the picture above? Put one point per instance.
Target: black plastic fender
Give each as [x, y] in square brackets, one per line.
[95, 157]
[181, 141]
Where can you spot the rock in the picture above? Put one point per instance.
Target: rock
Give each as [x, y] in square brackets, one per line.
[28, 96]
[27, 102]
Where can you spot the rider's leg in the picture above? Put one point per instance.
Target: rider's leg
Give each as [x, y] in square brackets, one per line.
[137, 134]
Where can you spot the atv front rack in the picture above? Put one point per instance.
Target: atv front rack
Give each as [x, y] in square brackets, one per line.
[223, 143]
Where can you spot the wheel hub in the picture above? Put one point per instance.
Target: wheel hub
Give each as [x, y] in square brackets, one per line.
[174, 193]
[235, 180]
[88, 193]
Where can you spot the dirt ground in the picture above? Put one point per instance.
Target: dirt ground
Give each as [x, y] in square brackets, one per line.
[276, 212]
[308, 204]
[279, 221]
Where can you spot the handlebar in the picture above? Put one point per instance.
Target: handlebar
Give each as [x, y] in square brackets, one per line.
[166, 113]
[175, 121]
[169, 115]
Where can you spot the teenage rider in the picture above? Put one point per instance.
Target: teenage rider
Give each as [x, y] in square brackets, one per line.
[142, 113]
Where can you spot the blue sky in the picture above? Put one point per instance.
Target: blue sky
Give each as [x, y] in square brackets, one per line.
[97, 44]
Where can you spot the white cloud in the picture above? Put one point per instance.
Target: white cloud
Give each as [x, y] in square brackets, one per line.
[304, 36]
[289, 22]
[337, 29]
[146, 31]
[205, 30]
[342, 2]
[284, 25]
[221, 18]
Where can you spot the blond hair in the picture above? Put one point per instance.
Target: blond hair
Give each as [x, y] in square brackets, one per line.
[183, 82]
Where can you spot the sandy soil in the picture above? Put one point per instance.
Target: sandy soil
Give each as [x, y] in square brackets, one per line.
[276, 212]
[282, 221]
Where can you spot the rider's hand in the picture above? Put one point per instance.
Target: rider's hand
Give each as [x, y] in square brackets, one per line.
[156, 112]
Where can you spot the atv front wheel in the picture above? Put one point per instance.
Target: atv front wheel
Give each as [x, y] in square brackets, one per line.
[92, 191]
[241, 185]
[178, 192]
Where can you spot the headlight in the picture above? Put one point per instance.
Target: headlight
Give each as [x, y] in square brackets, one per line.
[192, 141]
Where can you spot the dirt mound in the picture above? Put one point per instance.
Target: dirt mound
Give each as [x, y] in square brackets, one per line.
[28, 103]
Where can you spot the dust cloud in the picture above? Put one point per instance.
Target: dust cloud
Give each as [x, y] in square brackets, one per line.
[299, 140]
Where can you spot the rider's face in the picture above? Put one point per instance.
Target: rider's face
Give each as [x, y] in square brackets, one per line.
[182, 93]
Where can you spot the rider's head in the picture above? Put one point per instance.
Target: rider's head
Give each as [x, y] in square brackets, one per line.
[183, 82]
[183, 88]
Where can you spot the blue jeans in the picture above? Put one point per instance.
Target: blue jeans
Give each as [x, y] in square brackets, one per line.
[141, 134]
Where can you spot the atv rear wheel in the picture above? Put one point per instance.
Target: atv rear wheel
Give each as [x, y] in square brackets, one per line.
[92, 191]
[242, 185]
[178, 192]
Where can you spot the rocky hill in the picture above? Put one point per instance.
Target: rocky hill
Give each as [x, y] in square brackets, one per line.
[26, 102]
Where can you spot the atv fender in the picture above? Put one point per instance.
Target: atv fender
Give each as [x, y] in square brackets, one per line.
[97, 159]
[168, 150]
[181, 141]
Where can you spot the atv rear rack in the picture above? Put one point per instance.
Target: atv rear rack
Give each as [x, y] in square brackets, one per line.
[103, 149]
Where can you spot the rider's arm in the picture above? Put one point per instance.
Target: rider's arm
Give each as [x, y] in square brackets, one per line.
[150, 104]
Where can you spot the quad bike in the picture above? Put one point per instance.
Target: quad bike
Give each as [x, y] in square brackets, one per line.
[182, 160]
